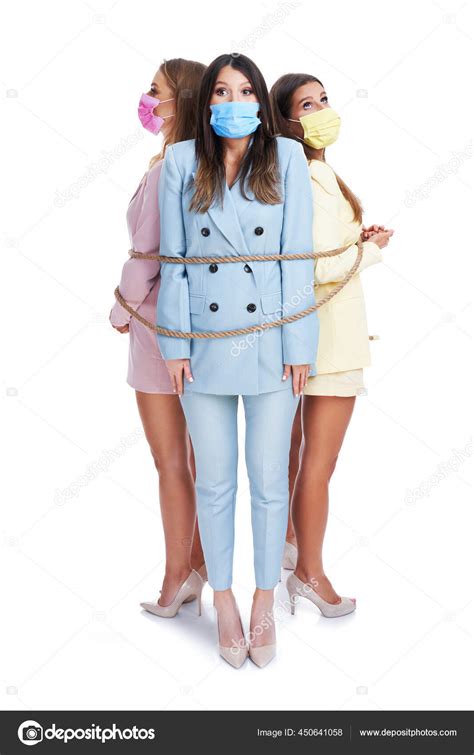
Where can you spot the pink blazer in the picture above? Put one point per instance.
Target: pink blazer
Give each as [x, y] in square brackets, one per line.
[139, 286]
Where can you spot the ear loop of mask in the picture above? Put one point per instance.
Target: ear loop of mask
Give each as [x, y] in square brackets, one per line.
[165, 116]
[297, 120]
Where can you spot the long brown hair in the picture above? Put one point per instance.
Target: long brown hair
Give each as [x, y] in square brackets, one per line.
[281, 95]
[184, 79]
[259, 166]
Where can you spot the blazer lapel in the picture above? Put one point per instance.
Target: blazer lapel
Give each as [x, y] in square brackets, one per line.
[226, 219]
[241, 206]
[225, 216]
[324, 175]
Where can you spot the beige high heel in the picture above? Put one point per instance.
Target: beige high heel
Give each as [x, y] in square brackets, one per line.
[299, 589]
[290, 556]
[190, 589]
[202, 571]
[262, 655]
[235, 655]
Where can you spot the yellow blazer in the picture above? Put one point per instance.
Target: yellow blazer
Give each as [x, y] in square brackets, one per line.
[343, 336]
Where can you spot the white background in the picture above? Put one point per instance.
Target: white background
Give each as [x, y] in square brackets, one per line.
[76, 568]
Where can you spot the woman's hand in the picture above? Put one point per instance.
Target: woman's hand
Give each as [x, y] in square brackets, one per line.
[366, 233]
[300, 376]
[175, 368]
[121, 328]
[381, 238]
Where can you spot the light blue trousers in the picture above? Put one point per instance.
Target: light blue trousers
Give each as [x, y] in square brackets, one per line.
[212, 424]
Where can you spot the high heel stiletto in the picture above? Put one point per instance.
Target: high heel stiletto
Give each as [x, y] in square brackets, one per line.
[202, 571]
[262, 655]
[298, 589]
[235, 655]
[290, 556]
[191, 588]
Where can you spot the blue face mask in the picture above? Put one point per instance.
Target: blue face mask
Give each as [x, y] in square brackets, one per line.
[235, 119]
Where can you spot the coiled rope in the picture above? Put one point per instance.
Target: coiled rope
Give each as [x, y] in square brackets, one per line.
[244, 258]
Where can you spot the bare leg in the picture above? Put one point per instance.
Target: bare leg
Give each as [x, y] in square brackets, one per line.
[296, 440]
[325, 421]
[166, 432]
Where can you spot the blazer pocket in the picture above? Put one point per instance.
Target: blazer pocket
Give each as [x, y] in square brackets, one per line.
[271, 303]
[196, 303]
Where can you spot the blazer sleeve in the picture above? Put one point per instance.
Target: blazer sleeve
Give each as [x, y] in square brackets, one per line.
[333, 269]
[300, 338]
[173, 298]
[139, 276]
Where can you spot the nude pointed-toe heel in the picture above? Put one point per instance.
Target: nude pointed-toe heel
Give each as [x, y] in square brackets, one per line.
[190, 589]
[262, 655]
[290, 556]
[202, 571]
[299, 589]
[235, 655]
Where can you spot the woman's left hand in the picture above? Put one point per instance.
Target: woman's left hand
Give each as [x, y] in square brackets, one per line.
[300, 374]
[368, 232]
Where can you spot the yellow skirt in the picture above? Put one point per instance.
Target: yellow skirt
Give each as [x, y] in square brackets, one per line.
[348, 383]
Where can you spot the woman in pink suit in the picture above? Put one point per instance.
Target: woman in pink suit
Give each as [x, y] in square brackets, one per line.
[170, 106]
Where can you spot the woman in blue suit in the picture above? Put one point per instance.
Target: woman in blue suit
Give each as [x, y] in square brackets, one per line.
[238, 190]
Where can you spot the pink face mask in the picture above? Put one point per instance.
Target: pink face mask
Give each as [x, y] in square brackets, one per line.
[148, 119]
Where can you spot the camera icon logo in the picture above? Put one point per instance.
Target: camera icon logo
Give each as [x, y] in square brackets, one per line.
[30, 732]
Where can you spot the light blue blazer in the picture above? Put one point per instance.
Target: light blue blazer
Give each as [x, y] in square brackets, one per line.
[235, 295]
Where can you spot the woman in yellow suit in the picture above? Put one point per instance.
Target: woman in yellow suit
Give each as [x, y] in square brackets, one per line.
[302, 111]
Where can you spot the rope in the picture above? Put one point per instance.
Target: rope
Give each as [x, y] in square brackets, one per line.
[254, 257]
[177, 260]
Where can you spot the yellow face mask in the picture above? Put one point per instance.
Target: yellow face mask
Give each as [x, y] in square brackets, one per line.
[320, 128]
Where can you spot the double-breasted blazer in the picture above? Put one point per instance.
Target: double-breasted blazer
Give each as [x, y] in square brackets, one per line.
[213, 297]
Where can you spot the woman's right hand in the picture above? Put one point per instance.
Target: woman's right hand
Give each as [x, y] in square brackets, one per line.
[176, 368]
[121, 328]
[381, 238]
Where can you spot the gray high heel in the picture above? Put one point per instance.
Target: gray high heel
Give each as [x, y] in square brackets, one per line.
[189, 590]
[298, 589]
